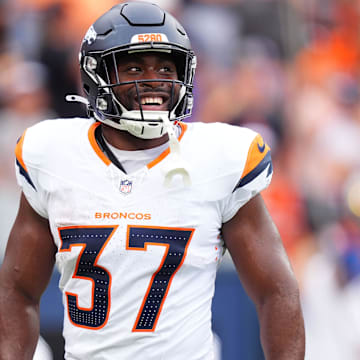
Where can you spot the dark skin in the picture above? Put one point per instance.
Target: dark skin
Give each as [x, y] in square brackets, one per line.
[264, 270]
[142, 66]
[250, 236]
[24, 275]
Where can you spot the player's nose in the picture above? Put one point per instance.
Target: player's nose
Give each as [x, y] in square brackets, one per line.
[150, 74]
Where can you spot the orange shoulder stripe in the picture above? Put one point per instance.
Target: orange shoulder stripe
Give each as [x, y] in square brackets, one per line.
[257, 151]
[19, 151]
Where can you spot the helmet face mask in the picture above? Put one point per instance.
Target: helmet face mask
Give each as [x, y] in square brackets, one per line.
[136, 28]
[131, 94]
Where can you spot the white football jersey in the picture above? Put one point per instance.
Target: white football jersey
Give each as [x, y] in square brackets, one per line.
[137, 259]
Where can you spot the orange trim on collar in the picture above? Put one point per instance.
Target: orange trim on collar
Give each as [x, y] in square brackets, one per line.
[94, 144]
[166, 152]
[106, 160]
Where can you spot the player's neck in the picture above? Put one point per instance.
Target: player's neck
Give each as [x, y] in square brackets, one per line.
[125, 141]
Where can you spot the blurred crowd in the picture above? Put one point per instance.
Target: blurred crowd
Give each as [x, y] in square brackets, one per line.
[289, 69]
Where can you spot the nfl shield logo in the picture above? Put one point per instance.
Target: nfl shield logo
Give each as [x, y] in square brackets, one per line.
[125, 186]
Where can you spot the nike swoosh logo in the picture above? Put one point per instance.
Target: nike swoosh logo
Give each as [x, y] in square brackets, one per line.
[261, 148]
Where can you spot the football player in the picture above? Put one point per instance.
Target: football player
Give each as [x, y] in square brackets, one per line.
[137, 207]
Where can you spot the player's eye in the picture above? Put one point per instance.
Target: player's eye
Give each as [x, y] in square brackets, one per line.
[167, 69]
[133, 69]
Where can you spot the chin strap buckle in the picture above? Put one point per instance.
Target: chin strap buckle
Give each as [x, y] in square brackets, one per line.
[175, 164]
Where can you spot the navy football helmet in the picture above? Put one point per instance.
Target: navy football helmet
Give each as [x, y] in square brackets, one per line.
[128, 28]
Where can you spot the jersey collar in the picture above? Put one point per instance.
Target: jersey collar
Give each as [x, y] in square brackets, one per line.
[106, 155]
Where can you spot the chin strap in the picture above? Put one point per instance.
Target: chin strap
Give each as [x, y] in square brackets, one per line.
[76, 98]
[175, 164]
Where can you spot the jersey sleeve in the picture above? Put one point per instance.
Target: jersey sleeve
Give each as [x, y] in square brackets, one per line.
[255, 177]
[27, 177]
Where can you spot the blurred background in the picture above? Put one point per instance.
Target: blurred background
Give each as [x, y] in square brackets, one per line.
[290, 69]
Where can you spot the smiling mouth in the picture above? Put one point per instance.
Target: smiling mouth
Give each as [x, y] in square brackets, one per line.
[154, 103]
[157, 101]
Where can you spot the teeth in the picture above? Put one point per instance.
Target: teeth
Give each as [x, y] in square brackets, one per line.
[151, 100]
